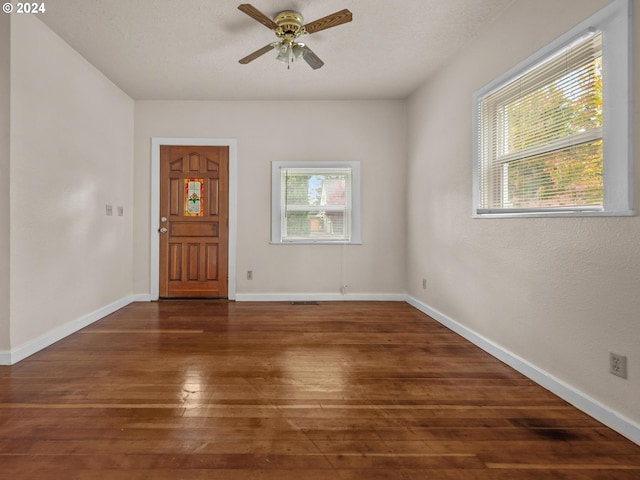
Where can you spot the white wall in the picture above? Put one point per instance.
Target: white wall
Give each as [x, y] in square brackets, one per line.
[559, 293]
[5, 56]
[372, 132]
[71, 154]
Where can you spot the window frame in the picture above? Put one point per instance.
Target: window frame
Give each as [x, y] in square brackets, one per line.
[614, 23]
[277, 206]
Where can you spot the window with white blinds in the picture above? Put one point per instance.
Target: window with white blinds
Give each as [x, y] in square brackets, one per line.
[540, 134]
[315, 202]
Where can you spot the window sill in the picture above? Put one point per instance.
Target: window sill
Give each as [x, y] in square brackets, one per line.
[317, 242]
[565, 214]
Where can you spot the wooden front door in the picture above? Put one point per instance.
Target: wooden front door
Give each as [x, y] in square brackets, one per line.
[194, 212]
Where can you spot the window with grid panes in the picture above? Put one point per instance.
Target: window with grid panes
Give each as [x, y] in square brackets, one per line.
[315, 202]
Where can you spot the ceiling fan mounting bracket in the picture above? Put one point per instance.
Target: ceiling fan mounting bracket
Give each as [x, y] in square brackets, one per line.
[290, 25]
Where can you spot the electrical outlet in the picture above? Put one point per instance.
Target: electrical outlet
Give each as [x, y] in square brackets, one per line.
[618, 365]
[109, 210]
[249, 274]
[343, 289]
[424, 283]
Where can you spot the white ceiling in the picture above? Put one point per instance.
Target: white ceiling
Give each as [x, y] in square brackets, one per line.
[189, 49]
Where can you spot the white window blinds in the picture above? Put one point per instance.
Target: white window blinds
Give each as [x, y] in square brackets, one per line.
[316, 204]
[540, 135]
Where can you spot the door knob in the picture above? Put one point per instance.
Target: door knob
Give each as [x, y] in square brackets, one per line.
[163, 230]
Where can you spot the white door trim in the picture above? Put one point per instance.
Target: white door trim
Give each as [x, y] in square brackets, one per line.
[154, 270]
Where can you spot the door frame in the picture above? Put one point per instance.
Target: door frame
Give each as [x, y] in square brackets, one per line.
[154, 270]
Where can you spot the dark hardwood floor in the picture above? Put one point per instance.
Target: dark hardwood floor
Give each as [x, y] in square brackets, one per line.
[236, 391]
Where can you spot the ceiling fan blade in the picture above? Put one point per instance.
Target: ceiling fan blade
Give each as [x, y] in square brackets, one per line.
[333, 20]
[311, 58]
[258, 53]
[256, 14]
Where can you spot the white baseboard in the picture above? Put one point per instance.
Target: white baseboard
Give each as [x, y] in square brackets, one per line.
[141, 297]
[33, 346]
[320, 297]
[575, 397]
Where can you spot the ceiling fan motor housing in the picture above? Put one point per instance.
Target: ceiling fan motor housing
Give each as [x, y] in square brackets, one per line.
[290, 25]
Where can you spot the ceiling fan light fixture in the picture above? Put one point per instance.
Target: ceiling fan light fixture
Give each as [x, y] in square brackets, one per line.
[288, 51]
[284, 51]
[298, 50]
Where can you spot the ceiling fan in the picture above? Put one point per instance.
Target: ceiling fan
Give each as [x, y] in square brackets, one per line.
[288, 27]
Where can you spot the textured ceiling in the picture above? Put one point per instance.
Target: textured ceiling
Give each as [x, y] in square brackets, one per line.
[189, 49]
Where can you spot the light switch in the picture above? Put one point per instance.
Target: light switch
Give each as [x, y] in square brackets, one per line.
[120, 211]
